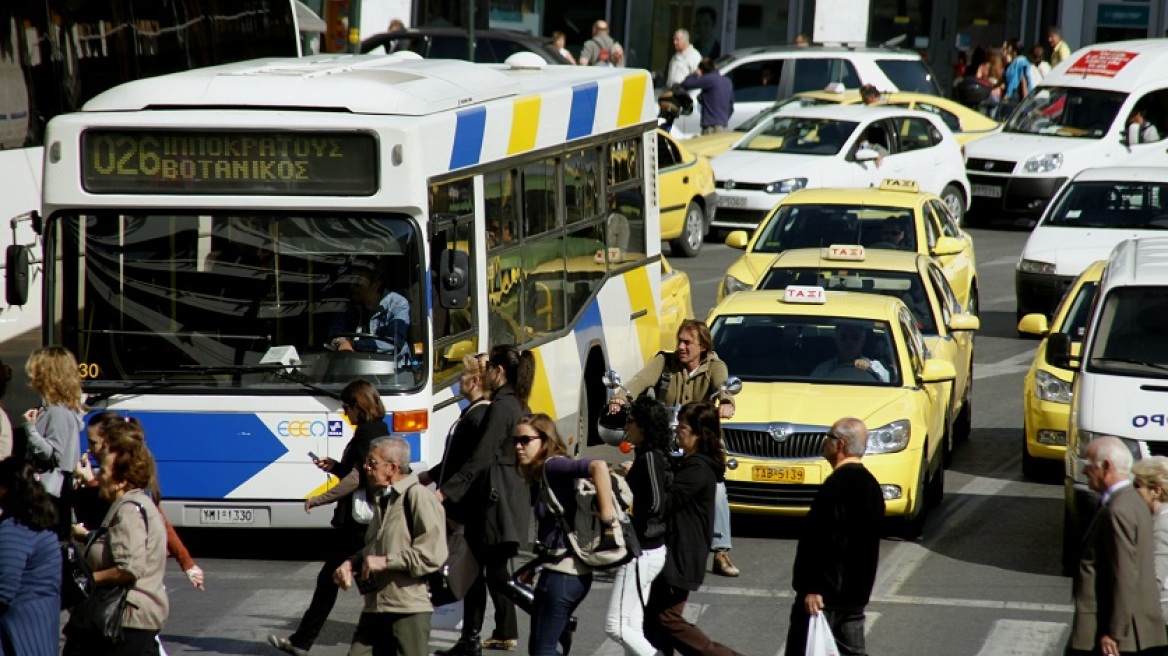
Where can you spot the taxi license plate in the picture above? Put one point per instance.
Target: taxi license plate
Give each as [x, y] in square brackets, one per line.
[731, 201]
[226, 516]
[778, 474]
[989, 191]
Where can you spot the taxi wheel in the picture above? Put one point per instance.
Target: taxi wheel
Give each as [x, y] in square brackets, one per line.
[975, 303]
[935, 491]
[954, 199]
[914, 524]
[963, 427]
[689, 244]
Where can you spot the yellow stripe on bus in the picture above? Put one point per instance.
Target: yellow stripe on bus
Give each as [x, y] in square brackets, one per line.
[541, 388]
[632, 100]
[524, 125]
[332, 480]
[641, 298]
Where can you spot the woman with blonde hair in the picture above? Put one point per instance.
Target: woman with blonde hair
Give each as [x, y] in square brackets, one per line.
[54, 431]
[543, 461]
[1150, 478]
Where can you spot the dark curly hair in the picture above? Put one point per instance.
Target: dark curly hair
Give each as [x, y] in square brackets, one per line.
[25, 499]
[702, 419]
[653, 420]
[132, 463]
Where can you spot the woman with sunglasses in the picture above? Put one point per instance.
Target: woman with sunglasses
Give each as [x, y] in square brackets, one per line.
[363, 407]
[648, 431]
[691, 512]
[495, 501]
[565, 581]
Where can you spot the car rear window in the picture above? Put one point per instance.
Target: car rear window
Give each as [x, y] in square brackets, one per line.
[910, 75]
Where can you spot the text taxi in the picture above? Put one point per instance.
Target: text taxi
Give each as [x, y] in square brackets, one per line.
[897, 216]
[913, 278]
[809, 356]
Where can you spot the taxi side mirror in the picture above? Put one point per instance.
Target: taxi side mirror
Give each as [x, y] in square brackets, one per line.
[947, 246]
[964, 321]
[866, 155]
[1034, 324]
[737, 239]
[937, 371]
[1058, 351]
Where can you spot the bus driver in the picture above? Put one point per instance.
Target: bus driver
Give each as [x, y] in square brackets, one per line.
[373, 310]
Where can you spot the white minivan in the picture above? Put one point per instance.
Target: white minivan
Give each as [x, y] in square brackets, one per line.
[1076, 118]
[1121, 386]
[1090, 215]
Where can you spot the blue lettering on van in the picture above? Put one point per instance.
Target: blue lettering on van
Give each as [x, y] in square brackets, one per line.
[1142, 421]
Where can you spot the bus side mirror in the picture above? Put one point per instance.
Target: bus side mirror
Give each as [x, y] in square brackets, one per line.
[1058, 351]
[16, 274]
[453, 279]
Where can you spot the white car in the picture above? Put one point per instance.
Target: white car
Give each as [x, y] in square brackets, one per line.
[1092, 213]
[822, 147]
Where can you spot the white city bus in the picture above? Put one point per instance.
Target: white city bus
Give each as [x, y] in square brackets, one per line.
[207, 231]
[57, 54]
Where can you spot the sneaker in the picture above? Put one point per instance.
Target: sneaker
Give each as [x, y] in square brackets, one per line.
[284, 645]
[464, 647]
[723, 566]
[501, 644]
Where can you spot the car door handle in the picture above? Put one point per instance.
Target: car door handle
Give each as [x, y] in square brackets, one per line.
[638, 314]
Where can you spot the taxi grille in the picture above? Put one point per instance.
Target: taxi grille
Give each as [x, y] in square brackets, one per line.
[760, 444]
[742, 186]
[770, 494]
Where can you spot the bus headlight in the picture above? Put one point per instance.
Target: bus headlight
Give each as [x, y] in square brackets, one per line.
[1043, 163]
[1049, 387]
[889, 438]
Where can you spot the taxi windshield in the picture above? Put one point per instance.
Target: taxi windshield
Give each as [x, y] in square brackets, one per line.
[905, 285]
[1133, 334]
[1116, 205]
[794, 102]
[799, 136]
[1066, 112]
[827, 350]
[818, 226]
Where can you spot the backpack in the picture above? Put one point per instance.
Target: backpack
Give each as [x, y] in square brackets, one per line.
[584, 530]
[604, 52]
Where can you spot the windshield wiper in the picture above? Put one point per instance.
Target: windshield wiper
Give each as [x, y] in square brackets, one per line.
[1151, 365]
[278, 369]
[133, 388]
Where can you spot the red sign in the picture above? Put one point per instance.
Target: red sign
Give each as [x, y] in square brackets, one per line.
[1103, 63]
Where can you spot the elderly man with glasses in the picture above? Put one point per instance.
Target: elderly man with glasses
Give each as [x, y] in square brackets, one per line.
[835, 562]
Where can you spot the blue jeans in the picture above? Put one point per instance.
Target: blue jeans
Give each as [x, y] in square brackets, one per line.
[721, 541]
[556, 597]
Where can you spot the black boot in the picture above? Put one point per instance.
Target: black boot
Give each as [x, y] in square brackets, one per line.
[466, 646]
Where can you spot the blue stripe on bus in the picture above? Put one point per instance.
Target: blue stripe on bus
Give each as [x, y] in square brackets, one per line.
[468, 137]
[583, 111]
[589, 328]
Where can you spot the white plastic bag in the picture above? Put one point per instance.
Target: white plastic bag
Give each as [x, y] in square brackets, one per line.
[363, 508]
[448, 617]
[820, 641]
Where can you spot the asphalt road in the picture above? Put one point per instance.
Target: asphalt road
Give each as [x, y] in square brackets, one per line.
[982, 581]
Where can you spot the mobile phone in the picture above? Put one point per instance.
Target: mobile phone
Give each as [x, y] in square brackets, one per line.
[313, 456]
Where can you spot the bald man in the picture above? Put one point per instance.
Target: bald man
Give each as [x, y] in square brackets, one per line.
[599, 47]
[835, 563]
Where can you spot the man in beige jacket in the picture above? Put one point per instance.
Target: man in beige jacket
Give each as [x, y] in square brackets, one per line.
[405, 542]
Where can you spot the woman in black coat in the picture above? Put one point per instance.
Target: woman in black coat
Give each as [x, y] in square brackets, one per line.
[496, 502]
[362, 405]
[691, 508]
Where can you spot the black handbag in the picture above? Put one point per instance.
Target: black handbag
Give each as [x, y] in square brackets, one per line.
[76, 576]
[102, 612]
[452, 581]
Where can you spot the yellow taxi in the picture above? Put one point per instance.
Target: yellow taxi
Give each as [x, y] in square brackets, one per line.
[687, 193]
[807, 357]
[1046, 390]
[913, 278]
[967, 124]
[817, 218]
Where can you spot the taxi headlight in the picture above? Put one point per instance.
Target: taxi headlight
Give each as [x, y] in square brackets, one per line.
[733, 285]
[1043, 163]
[1034, 266]
[1078, 454]
[785, 186]
[889, 438]
[1049, 387]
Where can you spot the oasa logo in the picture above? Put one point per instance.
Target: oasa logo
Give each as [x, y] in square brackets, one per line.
[302, 428]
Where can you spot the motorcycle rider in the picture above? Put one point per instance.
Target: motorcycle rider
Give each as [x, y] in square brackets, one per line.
[691, 373]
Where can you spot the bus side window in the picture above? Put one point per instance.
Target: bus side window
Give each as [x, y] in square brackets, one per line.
[452, 217]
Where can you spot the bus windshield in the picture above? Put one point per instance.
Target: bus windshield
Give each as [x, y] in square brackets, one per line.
[230, 300]
[1066, 112]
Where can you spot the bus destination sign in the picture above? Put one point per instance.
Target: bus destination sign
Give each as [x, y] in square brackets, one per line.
[267, 163]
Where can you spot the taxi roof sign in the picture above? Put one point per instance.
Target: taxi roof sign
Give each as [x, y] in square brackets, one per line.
[805, 294]
[852, 252]
[899, 184]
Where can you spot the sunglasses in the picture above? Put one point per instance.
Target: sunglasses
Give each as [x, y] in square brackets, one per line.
[524, 440]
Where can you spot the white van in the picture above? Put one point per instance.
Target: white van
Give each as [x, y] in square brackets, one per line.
[1121, 386]
[1077, 117]
[1090, 215]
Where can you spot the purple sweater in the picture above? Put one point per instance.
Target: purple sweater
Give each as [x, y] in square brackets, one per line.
[561, 473]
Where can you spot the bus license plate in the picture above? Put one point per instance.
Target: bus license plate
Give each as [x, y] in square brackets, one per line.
[227, 516]
[988, 191]
[778, 474]
[731, 201]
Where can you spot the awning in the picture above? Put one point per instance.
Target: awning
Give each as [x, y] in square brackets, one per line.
[307, 19]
